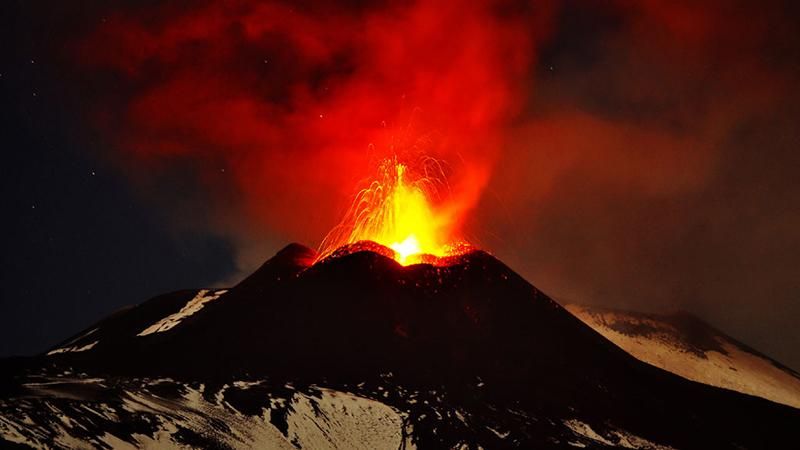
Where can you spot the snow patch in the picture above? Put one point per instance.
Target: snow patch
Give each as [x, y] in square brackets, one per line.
[501, 435]
[613, 438]
[628, 440]
[586, 431]
[342, 420]
[73, 349]
[81, 337]
[194, 305]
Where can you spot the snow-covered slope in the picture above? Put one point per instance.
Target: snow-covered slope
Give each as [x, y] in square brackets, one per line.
[74, 411]
[66, 411]
[687, 346]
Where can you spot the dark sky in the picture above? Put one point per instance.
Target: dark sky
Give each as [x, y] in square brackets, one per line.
[78, 241]
[641, 155]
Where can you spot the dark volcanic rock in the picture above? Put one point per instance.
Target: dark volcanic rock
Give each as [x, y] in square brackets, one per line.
[467, 353]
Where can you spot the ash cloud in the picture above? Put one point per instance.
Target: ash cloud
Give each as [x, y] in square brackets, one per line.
[655, 167]
[278, 110]
[632, 154]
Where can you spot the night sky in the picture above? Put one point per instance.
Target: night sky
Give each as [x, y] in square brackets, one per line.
[640, 155]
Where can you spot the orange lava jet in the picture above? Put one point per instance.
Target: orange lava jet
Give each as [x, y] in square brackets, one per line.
[399, 211]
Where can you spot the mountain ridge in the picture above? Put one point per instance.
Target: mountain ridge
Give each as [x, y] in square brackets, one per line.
[467, 353]
[694, 349]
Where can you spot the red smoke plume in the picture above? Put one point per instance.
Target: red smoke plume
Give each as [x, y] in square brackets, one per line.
[655, 164]
[285, 109]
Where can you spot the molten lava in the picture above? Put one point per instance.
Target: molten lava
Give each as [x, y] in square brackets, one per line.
[399, 211]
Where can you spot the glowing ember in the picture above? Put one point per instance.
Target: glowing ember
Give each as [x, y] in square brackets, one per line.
[398, 211]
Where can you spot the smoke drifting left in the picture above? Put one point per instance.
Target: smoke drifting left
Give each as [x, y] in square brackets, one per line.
[278, 111]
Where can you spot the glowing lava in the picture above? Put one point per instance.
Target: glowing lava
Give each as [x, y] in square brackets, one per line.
[398, 210]
[406, 248]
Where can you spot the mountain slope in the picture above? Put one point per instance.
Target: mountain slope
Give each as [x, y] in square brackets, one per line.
[463, 354]
[689, 347]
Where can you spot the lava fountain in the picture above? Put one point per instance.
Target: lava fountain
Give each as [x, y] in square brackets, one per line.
[402, 210]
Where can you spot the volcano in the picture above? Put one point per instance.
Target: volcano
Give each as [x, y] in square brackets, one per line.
[358, 351]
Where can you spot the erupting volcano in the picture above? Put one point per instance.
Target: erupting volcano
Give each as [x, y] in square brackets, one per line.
[405, 208]
[397, 334]
[358, 352]
[251, 123]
